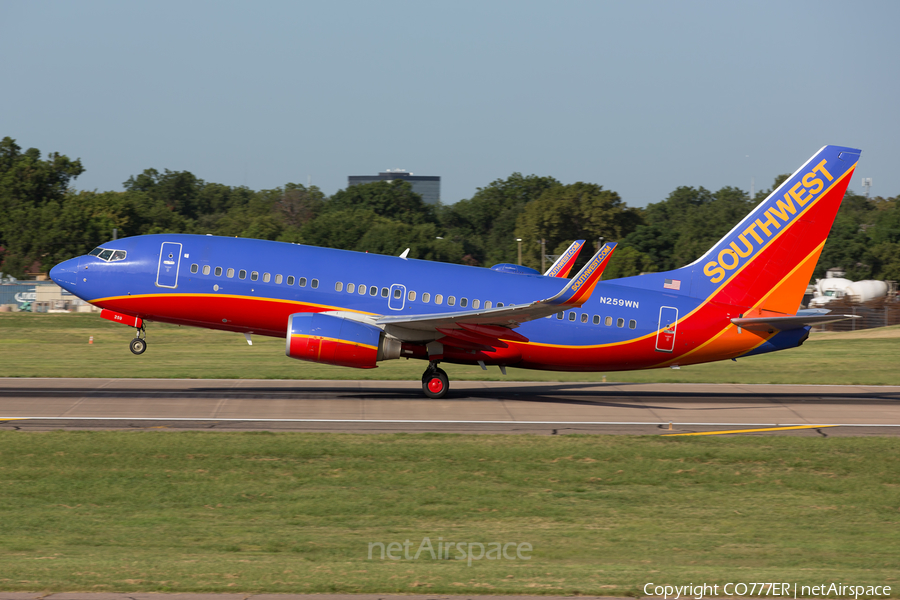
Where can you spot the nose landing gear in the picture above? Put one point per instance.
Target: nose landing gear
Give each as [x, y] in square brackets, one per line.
[435, 382]
[139, 344]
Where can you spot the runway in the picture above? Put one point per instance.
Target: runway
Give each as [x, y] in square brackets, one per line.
[471, 407]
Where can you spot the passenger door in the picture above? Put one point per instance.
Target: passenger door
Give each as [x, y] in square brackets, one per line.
[169, 263]
[665, 336]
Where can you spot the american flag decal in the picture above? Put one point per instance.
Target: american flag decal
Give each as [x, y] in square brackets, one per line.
[672, 284]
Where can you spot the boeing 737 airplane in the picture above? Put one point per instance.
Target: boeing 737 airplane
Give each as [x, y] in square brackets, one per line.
[354, 309]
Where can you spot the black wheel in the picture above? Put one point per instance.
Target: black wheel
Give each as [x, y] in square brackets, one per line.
[138, 346]
[435, 383]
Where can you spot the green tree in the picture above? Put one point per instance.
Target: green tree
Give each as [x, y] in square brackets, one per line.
[681, 228]
[391, 199]
[179, 190]
[392, 237]
[32, 192]
[567, 212]
[341, 229]
[485, 225]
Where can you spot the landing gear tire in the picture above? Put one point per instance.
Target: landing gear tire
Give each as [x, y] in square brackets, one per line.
[138, 345]
[435, 383]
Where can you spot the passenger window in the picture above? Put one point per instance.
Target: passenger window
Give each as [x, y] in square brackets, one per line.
[596, 319]
[362, 289]
[242, 274]
[338, 286]
[397, 292]
[229, 273]
[373, 291]
[476, 303]
[351, 287]
[426, 297]
[572, 315]
[266, 277]
[620, 322]
[384, 292]
[584, 317]
[106, 254]
[608, 321]
[559, 315]
[195, 267]
[632, 324]
[463, 302]
[254, 275]
[451, 300]
[278, 279]
[218, 271]
[487, 304]
[118, 255]
[290, 280]
[206, 269]
[499, 305]
[411, 296]
[438, 299]
[314, 283]
[302, 282]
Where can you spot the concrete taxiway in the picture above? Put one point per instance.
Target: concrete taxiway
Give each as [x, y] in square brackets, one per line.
[471, 407]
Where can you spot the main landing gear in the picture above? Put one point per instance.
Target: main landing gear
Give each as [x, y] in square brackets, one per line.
[139, 344]
[435, 382]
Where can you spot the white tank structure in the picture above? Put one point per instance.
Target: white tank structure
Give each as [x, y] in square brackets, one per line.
[869, 289]
[829, 289]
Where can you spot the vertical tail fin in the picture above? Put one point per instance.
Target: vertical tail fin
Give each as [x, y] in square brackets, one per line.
[767, 260]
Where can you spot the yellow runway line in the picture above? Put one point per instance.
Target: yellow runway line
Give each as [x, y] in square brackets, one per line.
[752, 430]
[13, 418]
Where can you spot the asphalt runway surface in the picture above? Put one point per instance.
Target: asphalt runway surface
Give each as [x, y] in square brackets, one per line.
[471, 407]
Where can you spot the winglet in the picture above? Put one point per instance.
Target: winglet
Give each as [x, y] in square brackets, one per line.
[580, 287]
[563, 265]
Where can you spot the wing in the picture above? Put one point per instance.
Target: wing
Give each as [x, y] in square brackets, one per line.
[493, 324]
[566, 261]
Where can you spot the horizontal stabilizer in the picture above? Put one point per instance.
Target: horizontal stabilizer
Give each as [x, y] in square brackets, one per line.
[789, 322]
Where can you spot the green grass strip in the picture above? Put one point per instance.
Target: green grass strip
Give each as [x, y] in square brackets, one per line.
[56, 345]
[294, 512]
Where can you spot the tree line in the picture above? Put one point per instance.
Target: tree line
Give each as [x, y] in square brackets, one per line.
[44, 221]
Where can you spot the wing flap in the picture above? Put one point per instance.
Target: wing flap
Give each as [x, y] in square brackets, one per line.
[461, 334]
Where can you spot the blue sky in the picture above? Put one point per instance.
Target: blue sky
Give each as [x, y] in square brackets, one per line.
[639, 97]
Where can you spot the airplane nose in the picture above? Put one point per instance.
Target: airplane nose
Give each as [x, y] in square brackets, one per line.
[65, 274]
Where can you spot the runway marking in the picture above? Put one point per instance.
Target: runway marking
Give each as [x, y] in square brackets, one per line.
[768, 426]
[755, 430]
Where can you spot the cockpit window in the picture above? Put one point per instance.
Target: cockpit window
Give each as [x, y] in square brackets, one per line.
[107, 254]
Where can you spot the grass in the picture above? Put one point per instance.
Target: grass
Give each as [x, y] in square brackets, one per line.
[286, 512]
[56, 345]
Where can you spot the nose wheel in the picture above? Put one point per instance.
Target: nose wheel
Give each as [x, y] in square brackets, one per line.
[139, 344]
[435, 382]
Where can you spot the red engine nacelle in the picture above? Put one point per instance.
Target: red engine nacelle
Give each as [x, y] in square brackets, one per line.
[338, 341]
